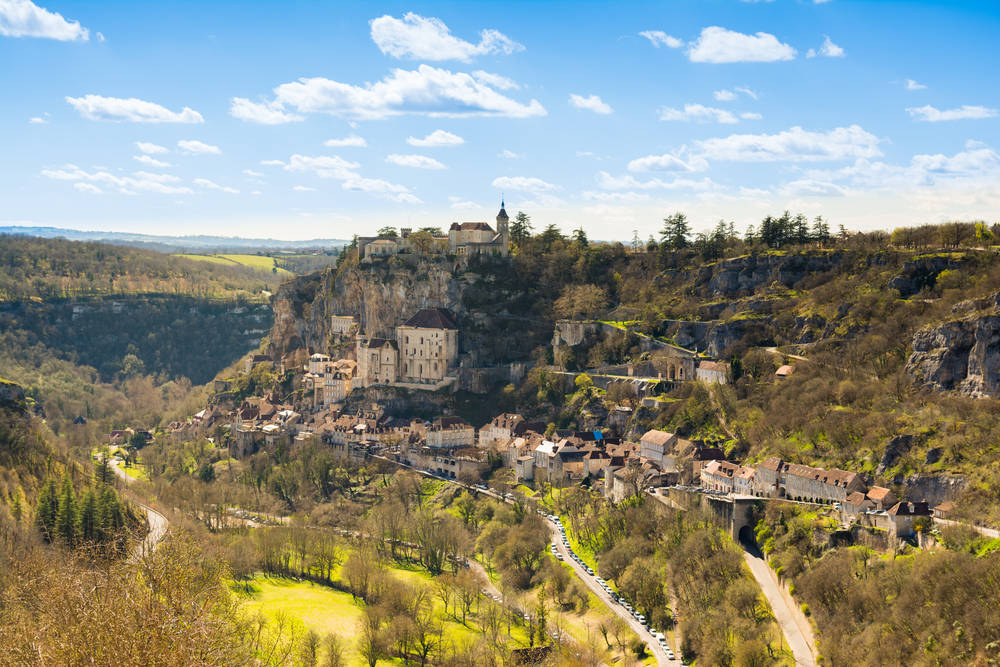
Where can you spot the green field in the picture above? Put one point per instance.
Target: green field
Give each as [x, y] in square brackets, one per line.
[259, 262]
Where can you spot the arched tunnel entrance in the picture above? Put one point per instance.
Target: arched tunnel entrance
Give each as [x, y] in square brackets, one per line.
[748, 541]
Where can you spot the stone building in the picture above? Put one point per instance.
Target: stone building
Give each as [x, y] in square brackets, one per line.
[377, 361]
[712, 372]
[779, 479]
[464, 239]
[450, 433]
[656, 445]
[424, 354]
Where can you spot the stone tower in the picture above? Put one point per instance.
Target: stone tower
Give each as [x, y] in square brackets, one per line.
[502, 229]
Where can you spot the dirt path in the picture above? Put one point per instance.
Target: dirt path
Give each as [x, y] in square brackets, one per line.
[791, 620]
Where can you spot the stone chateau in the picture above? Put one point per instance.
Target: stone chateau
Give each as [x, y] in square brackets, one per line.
[464, 239]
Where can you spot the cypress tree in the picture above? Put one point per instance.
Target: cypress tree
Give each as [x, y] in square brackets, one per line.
[102, 471]
[66, 518]
[45, 516]
[88, 516]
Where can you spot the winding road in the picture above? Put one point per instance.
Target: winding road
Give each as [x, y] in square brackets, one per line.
[156, 521]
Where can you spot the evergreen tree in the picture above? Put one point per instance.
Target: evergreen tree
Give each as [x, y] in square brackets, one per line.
[676, 231]
[66, 518]
[750, 236]
[520, 228]
[800, 229]
[102, 471]
[111, 518]
[820, 229]
[580, 237]
[45, 515]
[88, 517]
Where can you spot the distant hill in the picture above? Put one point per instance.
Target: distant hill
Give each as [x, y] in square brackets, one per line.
[173, 243]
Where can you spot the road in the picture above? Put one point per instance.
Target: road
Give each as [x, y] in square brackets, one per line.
[157, 522]
[591, 582]
[992, 533]
[792, 621]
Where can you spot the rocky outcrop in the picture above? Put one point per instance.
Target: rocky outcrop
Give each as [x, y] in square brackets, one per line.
[935, 489]
[962, 355]
[740, 276]
[921, 273]
[894, 449]
[11, 393]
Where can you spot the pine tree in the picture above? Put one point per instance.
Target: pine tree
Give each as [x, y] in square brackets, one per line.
[520, 228]
[110, 515]
[88, 517]
[676, 232]
[45, 515]
[580, 237]
[102, 471]
[66, 518]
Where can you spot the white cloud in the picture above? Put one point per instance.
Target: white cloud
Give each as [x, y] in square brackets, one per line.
[792, 145]
[150, 149]
[429, 91]
[523, 184]
[23, 18]
[212, 185]
[255, 192]
[415, 161]
[509, 154]
[272, 163]
[829, 49]
[195, 147]
[724, 95]
[436, 138]
[96, 107]
[251, 172]
[303, 188]
[497, 81]
[460, 204]
[621, 197]
[750, 115]
[718, 45]
[659, 38]
[264, 113]
[607, 181]
[913, 85]
[590, 103]
[336, 167]
[746, 91]
[139, 181]
[352, 141]
[933, 115]
[151, 161]
[88, 187]
[807, 187]
[428, 38]
[38, 120]
[666, 162]
[699, 113]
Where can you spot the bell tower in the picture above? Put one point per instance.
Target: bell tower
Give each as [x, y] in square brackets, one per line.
[502, 230]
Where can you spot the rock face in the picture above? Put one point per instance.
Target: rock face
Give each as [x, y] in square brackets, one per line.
[921, 273]
[962, 355]
[895, 448]
[935, 489]
[742, 275]
[11, 393]
[385, 294]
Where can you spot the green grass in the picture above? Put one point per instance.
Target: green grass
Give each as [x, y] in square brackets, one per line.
[136, 471]
[258, 262]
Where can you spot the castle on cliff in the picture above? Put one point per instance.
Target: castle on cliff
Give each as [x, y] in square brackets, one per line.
[464, 239]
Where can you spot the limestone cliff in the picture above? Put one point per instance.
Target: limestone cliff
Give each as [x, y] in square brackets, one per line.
[961, 355]
[384, 294]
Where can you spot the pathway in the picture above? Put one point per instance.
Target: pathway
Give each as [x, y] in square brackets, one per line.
[992, 533]
[790, 618]
[157, 522]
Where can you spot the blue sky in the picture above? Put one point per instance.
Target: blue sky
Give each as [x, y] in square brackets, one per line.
[301, 119]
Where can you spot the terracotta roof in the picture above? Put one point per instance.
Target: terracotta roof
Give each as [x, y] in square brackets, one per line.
[946, 506]
[472, 226]
[878, 492]
[720, 366]
[432, 318]
[855, 498]
[785, 370]
[659, 438]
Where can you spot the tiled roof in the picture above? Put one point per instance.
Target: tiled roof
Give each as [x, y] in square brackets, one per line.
[432, 318]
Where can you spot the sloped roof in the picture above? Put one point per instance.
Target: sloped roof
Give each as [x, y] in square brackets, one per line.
[659, 438]
[432, 318]
[473, 226]
[878, 492]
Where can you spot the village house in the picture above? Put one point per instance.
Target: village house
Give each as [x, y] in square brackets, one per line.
[331, 382]
[450, 433]
[524, 468]
[656, 445]
[882, 498]
[719, 476]
[778, 479]
[855, 505]
[899, 520]
[712, 372]
[743, 481]
[504, 427]
[784, 371]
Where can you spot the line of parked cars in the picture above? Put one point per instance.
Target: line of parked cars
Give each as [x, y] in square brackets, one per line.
[554, 549]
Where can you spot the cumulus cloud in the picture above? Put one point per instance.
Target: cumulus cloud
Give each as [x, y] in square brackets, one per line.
[352, 141]
[698, 113]
[38, 120]
[140, 181]
[150, 148]
[659, 38]
[212, 185]
[415, 161]
[195, 147]
[263, 113]
[792, 145]
[435, 139]
[719, 45]
[88, 187]
[913, 85]
[932, 115]
[523, 184]
[495, 80]
[151, 161]
[829, 49]
[429, 91]
[428, 38]
[345, 171]
[97, 107]
[607, 181]
[23, 18]
[724, 95]
[665, 162]
[750, 115]
[590, 103]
